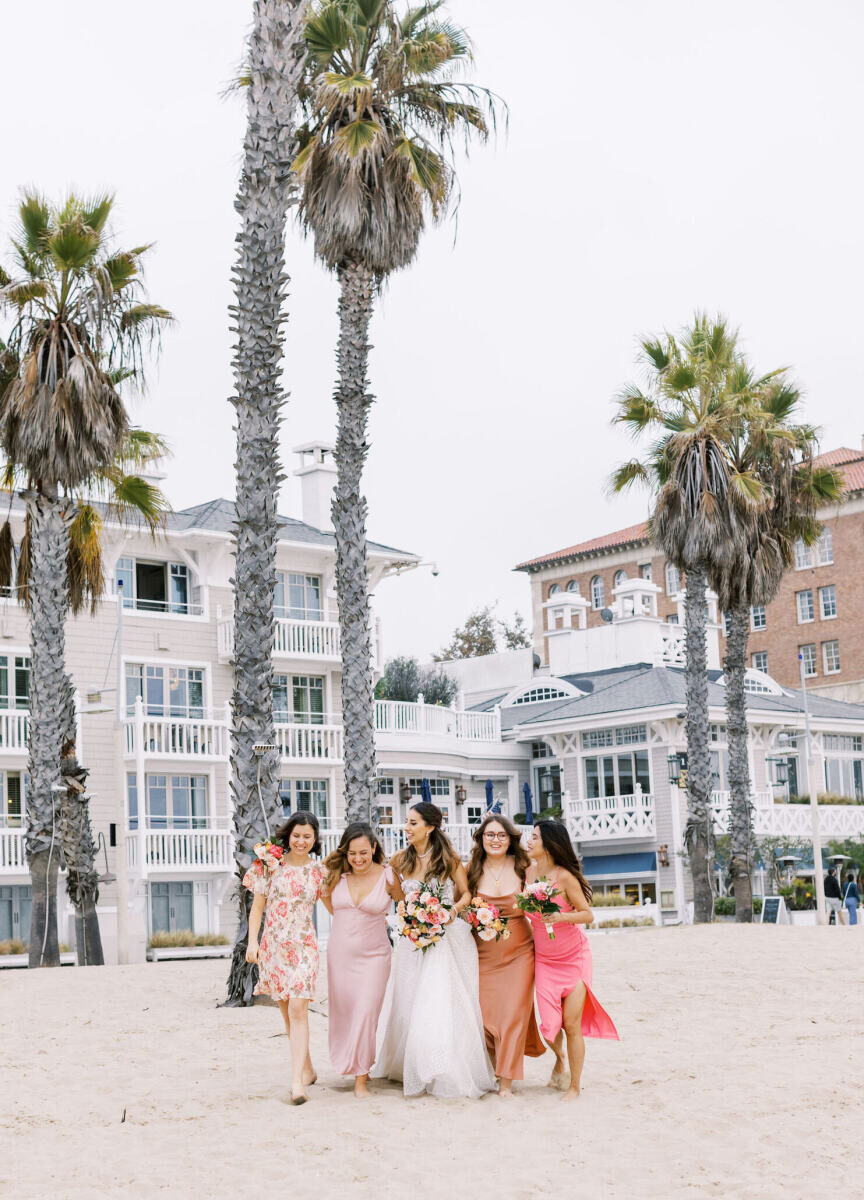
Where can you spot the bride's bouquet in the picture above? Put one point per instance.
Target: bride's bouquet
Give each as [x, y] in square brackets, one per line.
[486, 920]
[423, 916]
[269, 853]
[539, 898]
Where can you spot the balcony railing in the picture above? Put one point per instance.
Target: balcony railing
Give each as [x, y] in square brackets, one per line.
[434, 720]
[303, 742]
[611, 817]
[13, 860]
[14, 731]
[209, 849]
[176, 737]
[836, 821]
[292, 638]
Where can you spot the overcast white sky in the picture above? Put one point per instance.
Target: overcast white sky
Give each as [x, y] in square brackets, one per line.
[663, 155]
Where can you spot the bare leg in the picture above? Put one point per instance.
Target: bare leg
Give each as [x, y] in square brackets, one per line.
[505, 1087]
[360, 1085]
[573, 1006]
[558, 1078]
[302, 1071]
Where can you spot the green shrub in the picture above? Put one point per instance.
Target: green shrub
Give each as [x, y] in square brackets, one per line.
[13, 946]
[645, 921]
[186, 937]
[615, 924]
[610, 901]
[825, 798]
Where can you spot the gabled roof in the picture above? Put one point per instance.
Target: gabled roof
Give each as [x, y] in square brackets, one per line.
[850, 462]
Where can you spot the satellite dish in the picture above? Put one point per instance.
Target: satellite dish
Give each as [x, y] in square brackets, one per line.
[606, 615]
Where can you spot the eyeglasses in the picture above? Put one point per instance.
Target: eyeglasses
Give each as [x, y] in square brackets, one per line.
[497, 837]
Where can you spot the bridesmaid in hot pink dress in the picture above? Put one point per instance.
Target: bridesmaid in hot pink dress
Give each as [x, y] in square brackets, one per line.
[563, 965]
[359, 890]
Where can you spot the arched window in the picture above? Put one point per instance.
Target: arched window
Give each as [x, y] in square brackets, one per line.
[598, 592]
[573, 586]
[673, 580]
[555, 589]
[619, 578]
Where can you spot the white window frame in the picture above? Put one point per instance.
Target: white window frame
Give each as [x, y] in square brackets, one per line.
[809, 659]
[759, 660]
[573, 587]
[555, 589]
[672, 579]
[758, 617]
[803, 555]
[799, 597]
[598, 593]
[619, 577]
[645, 572]
[828, 601]
[825, 548]
[831, 670]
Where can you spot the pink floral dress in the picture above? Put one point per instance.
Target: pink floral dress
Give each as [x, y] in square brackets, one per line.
[288, 953]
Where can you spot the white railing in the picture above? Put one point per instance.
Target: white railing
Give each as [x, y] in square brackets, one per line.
[611, 817]
[176, 737]
[402, 717]
[13, 860]
[180, 849]
[838, 821]
[14, 730]
[302, 742]
[291, 639]
[672, 646]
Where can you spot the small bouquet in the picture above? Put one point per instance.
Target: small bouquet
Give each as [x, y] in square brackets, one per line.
[424, 916]
[486, 920]
[270, 853]
[539, 898]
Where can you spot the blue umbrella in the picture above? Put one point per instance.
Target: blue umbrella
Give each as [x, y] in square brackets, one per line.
[529, 810]
[490, 797]
[426, 791]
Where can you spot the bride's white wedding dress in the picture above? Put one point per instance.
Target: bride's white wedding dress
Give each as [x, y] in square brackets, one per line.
[431, 1032]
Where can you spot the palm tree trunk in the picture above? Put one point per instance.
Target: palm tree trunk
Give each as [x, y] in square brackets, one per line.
[356, 300]
[49, 541]
[260, 283]
[699, 835]
[740, 808]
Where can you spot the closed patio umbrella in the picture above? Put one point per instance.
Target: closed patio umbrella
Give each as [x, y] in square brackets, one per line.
[426, 791]
[490, 795]
[529, 808]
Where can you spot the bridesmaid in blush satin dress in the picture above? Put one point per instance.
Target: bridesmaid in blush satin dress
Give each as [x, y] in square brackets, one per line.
[361, 886]
[496, 873]
[563, 965]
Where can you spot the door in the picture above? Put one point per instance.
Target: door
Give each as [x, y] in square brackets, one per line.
[16, 904]
[171, 907]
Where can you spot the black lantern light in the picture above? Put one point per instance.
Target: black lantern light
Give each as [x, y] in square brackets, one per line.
[781, 769]
[677, 764]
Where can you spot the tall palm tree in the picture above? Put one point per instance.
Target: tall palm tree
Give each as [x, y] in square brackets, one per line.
[698, 519]
[274, 66]
[765, 443]
[78, 318]
[382, 109]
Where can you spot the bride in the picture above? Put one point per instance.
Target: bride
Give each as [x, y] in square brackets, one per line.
[431, 1034]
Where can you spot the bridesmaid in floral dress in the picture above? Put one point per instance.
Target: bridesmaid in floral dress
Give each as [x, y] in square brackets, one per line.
[286, 890]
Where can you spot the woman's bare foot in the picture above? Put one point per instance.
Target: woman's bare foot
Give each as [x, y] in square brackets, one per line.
[571, 1094]
[298, 1096]
[361, 1088]
[560, 1078]
[310, 1076]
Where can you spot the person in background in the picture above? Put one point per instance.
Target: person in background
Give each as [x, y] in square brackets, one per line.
[851, 898]
[833, 899]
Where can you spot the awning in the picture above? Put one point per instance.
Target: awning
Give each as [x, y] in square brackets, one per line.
[620, 864]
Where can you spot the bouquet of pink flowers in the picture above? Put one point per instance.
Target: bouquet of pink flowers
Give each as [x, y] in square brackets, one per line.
[486, 920]
[270, 853]
[424, 916]
[539, 897]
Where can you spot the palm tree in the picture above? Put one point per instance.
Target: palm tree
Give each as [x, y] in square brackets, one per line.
[766, 444]
[698, 520]
[77, 320]
[381, 110]
[274, 65]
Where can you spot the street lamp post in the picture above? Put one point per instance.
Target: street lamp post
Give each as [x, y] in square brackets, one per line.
[813, 788]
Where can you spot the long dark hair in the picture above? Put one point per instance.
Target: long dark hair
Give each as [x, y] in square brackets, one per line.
[521, 861]
[282, 833]
[337, 863]
[557, 844]
[443, 861]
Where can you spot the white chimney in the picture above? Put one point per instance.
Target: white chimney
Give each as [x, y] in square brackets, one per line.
[317, 475]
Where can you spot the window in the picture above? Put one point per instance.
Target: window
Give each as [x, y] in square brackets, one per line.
[297, 597]
[473, 813]
[573, 586]
[760, 661]
[673, 580]
[12, 788]
[598, 592]
[852, 744]
[173, 801]
[385, 814]
[845, 777]
[825, 548]
[155, 586]
[727, 623]
[172, 907]
[672, 619]
[804, 600]
[618, 578]
[645, 572]
[828, 602]
[535, 695]
[555, 589]
[437, 787]
[310, 795]
[14, 681]
[807, 654]
[541, 750]
[758, 620]
[803, 555]
[831, 657]
[617, 774]
[166, 691]
[16, 904]
[718, 733]
[385, 786]
[624, 735]
[298, 699]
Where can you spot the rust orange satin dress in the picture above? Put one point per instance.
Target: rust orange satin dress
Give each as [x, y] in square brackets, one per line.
[507, 992]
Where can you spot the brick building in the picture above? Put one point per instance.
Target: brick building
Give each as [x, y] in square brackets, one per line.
[818, 610]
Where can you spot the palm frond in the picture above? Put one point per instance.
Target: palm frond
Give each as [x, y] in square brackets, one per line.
[627, 474]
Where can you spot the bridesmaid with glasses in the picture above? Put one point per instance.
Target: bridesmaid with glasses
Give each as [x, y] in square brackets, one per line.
[496, 873]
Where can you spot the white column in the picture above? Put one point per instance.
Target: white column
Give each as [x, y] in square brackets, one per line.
[141, 786]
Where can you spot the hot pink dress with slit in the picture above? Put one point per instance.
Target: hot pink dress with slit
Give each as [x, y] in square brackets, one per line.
[559, 964]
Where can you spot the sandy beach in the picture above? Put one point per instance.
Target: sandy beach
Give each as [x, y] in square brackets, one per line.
[729, 1081]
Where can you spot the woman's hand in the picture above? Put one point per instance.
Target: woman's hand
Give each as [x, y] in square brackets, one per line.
[252, 952]
[555, 918]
